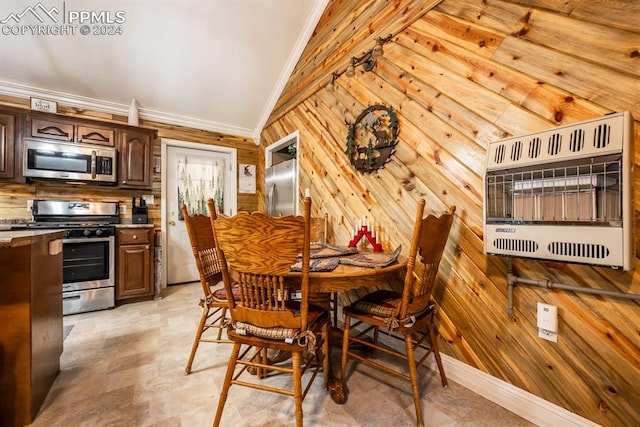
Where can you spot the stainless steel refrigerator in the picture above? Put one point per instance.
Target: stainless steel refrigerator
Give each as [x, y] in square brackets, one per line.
[281, 188]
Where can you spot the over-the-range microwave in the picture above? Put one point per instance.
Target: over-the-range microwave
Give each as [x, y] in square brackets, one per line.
[69, 161]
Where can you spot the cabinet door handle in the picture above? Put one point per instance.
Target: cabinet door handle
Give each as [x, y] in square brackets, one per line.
[53, 130]
[135, 237]
[147, 247]
[95, 136]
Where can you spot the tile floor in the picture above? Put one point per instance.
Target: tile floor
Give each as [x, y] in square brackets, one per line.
[125, 367]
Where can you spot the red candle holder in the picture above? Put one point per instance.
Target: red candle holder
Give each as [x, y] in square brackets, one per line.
[365, 232]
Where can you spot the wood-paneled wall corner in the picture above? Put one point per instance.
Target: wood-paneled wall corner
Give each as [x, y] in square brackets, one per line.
[459, 76]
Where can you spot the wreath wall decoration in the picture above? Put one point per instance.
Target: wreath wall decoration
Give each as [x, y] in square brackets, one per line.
[372, 137]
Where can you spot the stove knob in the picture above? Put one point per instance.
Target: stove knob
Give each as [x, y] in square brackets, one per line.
[86, 232]
[98, 232]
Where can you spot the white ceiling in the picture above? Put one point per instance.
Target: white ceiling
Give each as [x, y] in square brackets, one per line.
[209, 64]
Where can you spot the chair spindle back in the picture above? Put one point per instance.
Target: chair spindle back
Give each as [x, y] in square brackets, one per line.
[255, 251]
[429, 239]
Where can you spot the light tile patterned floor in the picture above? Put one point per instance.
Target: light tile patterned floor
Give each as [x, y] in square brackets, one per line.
[125, 367]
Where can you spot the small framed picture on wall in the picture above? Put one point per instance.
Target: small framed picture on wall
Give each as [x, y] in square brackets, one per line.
[247, 181]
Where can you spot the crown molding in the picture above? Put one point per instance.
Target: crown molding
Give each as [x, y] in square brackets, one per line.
[70, 100]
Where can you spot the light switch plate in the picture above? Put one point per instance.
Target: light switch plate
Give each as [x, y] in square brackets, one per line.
[148, 199]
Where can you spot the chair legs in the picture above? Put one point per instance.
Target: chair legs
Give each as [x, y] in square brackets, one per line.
[196, 341]
[410, 346]
[203, 326]
[326, 350]
[413, 374]
[227, 383]
[297, 386]
[436, 355]
[258, 359]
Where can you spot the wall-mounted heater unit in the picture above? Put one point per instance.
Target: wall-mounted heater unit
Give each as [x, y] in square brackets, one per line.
[563, 194]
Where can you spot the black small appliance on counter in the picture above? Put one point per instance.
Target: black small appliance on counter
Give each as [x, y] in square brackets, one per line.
[139, 214]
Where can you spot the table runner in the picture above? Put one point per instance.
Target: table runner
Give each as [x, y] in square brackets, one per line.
[327, 257]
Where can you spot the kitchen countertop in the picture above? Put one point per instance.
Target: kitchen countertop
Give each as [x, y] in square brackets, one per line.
[12, 239]
[7, 226]
[134, 225]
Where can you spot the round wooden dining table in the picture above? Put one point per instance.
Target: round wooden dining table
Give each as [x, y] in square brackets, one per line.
[347, 277]
[344, 278]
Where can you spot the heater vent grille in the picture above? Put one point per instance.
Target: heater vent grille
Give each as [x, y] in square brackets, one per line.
[516, 150]
[592, 138]
[534, 147]
[601, 135]
[499, 154]
[564, 194]
[515, 245]
[577, 140]
[555, 143]
[580, 250]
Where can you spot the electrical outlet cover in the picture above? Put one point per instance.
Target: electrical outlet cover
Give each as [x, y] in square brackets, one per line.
[548, 335]
[547, 322]
[548, 317]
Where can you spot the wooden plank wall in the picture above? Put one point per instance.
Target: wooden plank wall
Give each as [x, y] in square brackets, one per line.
[466, 73]
[13, 197]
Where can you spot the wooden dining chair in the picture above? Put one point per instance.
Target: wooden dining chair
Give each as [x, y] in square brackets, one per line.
[408, 313]
[256, 251]
[214, 300]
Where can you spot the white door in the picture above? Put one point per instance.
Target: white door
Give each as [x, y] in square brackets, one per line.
[192, 177]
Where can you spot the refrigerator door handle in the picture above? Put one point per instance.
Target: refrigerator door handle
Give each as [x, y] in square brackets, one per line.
[271, 199]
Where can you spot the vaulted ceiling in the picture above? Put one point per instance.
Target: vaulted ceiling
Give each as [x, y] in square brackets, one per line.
[217, 65]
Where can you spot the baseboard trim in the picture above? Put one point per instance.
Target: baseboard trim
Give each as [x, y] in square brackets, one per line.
[529, 406]
[522, 403]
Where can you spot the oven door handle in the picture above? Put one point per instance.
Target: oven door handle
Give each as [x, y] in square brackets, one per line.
[84, 239]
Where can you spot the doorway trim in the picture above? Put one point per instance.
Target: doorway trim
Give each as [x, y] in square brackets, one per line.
[232, 198]
[277, 146]
[280, 144]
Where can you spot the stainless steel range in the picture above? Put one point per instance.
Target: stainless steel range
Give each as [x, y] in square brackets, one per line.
[88, 250]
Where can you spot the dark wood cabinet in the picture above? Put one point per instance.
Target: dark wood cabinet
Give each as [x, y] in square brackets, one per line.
[97, 135]
[134, 280]
[136, 155]
[7, 145]
[68, 130]
[31, 336]
[135, 145]
[58, 129]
